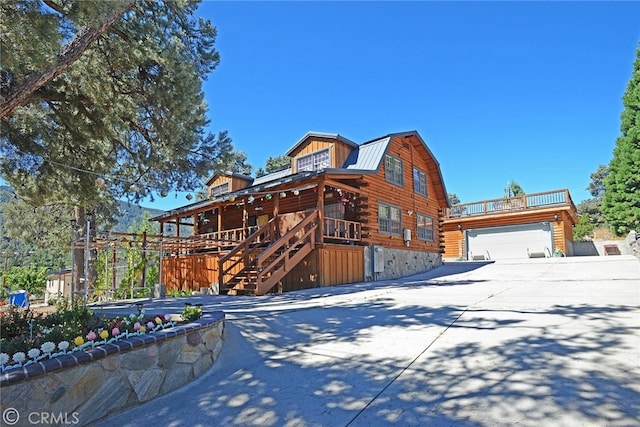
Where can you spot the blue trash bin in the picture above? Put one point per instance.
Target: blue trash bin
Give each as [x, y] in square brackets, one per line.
[19, 299]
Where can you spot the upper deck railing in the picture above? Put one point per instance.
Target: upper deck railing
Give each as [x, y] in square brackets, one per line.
[512, 204]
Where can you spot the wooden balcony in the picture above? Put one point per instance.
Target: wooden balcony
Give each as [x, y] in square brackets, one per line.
[504, 205]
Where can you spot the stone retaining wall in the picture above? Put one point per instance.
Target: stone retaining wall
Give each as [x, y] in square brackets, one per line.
[82, 387]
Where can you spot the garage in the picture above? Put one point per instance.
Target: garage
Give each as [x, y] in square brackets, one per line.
[509, 242]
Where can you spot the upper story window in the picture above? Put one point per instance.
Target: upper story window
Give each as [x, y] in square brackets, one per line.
[389, 219]
[314, 161]
[425, 227]
[220, 189]
[393, 170]
[419, 182]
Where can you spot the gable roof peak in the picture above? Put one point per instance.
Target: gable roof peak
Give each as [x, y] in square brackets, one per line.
[312, 134]
[228, 174]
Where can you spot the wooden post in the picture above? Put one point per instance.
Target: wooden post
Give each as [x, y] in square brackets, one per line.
[276, 211]
[195, 224]
[244, 220]
[219, 220]
[114, 285]
[320, 205]
[144, 259]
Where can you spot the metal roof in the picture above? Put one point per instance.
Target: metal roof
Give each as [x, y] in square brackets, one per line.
[365, 158]
[271, 176]
[368, 156]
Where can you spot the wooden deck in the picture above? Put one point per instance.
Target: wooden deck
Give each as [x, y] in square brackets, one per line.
[511, 204]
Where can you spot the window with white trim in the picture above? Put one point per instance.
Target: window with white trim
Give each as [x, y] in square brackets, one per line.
[425, 227]
[389, 219]
[393, 170]
[419, 182]
[220, 189]
[314, 161]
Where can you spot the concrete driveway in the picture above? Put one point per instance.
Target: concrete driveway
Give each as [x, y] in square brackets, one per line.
[529, 343]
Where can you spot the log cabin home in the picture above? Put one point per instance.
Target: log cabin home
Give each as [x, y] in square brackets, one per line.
[341, 213]
[538, 225]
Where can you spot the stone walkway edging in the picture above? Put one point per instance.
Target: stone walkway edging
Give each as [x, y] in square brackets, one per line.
[96, 382]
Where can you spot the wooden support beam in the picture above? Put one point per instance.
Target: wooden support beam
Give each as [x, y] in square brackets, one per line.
[320, 204]
[341, 186]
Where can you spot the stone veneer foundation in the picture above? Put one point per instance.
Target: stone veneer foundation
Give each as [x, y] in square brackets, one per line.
[85, 386]
[400, 263]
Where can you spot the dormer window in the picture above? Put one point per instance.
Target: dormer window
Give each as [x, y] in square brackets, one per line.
[314, 161]
[218, 190]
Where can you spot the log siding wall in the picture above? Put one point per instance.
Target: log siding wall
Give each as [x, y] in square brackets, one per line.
[379, 190]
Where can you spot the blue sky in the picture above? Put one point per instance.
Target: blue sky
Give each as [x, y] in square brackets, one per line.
[500, 91]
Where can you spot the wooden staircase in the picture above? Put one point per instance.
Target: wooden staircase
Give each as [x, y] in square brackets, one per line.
[260, 262]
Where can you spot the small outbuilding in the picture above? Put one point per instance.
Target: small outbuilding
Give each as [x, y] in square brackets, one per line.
[58, 284]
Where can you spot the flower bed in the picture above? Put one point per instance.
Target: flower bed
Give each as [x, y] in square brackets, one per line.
[27, 337]
[103, 376]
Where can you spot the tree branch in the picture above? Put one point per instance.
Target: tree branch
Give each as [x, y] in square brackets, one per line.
[22, 93]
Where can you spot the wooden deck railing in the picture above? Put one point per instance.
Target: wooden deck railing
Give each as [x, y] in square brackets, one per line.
[284, 254]
[341, 229]
[234, 235]
[207, 241]
[244, 253]
[509, 204]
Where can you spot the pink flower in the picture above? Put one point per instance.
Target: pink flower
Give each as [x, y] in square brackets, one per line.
[167, 317]
[91, 336]
[115, 332]
[136, 326]
[150, 325]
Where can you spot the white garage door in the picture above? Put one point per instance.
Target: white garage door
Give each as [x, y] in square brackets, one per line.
[509, 242]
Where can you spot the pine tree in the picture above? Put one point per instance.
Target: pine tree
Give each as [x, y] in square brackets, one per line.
[274, 164]
[621, 204]
[124, 118]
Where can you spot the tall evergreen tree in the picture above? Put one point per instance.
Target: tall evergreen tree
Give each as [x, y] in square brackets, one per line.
[513, 189]
[124, 117]
[591, 209]
[621, 203]
[274, 164]
[454, 199]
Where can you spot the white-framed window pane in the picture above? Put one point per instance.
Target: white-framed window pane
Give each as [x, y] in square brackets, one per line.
[314, 161]
[220, 189]
[419, 181]
[393, 170]
[389, 219]
[425, 227]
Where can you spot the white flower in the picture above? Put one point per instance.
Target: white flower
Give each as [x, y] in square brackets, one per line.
[4, 358]
[48, 347]
[63, 345]
[33, 353]
[19, 357]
